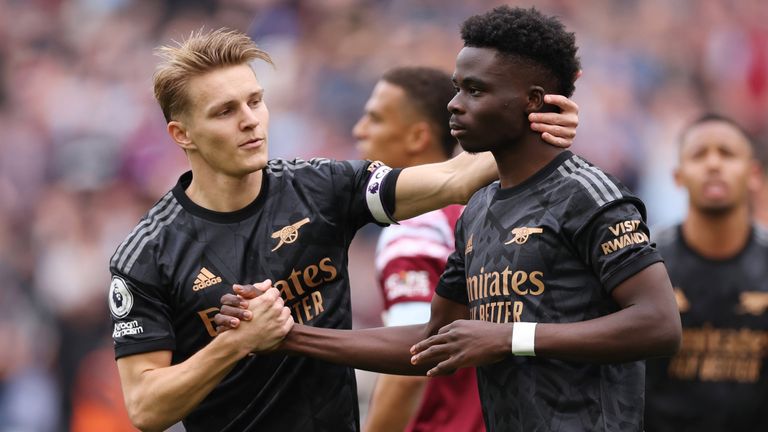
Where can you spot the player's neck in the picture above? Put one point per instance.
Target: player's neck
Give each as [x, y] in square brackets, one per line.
[223, 193]
[522, 160]
[717, 236]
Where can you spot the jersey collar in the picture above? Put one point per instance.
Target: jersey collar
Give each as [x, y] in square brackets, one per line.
[540, 175]
[215, 216]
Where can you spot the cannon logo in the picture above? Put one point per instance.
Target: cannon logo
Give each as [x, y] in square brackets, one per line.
[288, 234]
[520, 235]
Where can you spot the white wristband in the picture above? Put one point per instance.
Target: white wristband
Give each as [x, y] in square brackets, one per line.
[523, 338]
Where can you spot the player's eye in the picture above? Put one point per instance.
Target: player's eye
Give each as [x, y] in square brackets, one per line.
[224, 112]
[726, 153]
[254, 103]
[698, 155]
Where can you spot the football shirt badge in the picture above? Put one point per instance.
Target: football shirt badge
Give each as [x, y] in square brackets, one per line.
[520, 235]
[288, 234]
[120, 298]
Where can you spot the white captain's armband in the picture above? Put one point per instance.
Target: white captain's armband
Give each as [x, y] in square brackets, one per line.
[374, 196]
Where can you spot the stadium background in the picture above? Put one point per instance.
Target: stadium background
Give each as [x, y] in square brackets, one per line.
[83, 151]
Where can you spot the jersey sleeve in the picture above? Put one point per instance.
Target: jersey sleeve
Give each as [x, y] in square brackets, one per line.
[366, 190]
[141, 318]
[453, 283]
[614, 242]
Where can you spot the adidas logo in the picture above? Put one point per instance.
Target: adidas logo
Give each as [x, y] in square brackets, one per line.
[205, 279]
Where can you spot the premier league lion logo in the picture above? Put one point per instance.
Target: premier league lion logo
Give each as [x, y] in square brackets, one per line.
[120, 298]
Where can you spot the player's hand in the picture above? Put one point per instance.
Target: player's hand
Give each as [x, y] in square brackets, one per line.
[557, 129]
[234, 307]
[270, 321]
[463, 343]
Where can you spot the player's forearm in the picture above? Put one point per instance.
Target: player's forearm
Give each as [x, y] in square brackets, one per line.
[470, 172]
[164, 396]
[424, 188]
[383, 350]
[394, 402]
[634, 333]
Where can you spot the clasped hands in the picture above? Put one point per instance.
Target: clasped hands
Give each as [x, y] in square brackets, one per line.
[462, 343]
[263, 320]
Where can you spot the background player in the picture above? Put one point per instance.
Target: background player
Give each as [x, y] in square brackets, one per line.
[555, 241]
[238, 217]
[406, 123]
[718, 262]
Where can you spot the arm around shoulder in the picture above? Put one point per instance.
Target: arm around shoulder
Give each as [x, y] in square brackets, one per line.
[424, 188]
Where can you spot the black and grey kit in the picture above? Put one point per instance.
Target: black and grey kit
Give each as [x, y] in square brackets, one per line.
[171, 271]
[551, 250]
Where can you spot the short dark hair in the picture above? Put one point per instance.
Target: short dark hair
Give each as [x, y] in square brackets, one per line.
[527, 34]
[714, 117]
[429, 90]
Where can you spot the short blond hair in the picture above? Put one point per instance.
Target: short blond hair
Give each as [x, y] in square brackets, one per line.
[202, 52]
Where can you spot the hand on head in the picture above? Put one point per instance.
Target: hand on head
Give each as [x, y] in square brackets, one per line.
[558, 129]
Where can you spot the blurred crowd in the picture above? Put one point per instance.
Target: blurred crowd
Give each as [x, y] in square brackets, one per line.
[84, 152]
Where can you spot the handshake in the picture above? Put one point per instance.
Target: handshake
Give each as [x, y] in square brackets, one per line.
[259, 315]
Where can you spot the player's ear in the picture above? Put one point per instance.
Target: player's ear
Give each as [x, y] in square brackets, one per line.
[535, 99]
[180, 135]
[417, 138]
[678, 177]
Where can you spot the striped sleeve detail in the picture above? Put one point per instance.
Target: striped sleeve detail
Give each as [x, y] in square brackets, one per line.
[410, 248]
[601, 188]
[428, 235]
[159, 217]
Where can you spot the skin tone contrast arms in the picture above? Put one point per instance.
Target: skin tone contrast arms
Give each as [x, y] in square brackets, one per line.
[381, 349]
[647, 325]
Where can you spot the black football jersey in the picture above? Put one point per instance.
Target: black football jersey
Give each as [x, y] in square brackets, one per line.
[551, 250]
[718, 381]
[171, 271]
